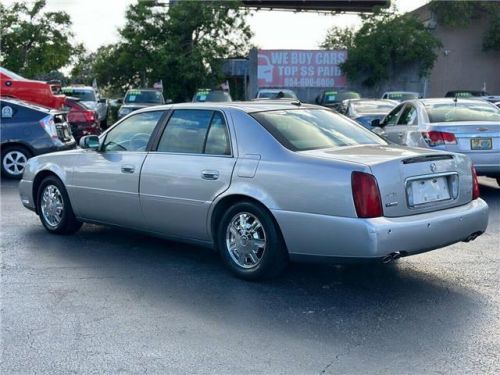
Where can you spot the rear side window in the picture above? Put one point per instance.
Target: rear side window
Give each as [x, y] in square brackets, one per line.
[191, 131]
[309, 129]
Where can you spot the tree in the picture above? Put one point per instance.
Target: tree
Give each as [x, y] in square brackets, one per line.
[338, 38]
[183, 45]
[386, 44]
[34, 42]
[459, 14]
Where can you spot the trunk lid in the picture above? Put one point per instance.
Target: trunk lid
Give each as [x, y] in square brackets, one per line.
[472, 137]
[410, 180]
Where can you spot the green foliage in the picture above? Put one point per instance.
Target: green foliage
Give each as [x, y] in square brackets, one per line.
[460, 13]
[181, 45]
[34, 41]
[385, 44]
[338, 38]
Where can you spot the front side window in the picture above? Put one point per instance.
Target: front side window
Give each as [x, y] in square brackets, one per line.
[192, 131]
[309, 129]
[132, 134]
[409, 116]
[392, 117]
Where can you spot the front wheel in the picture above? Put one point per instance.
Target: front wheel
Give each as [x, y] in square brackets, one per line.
[54, 207]
[250, 242]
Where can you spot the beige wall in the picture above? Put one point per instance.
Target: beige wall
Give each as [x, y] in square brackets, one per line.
[462, 64]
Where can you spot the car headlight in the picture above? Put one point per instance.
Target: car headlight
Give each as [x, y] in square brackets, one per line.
[124, 111]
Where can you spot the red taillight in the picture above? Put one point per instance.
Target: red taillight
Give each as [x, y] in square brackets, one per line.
[89, 116]
[475, 184]
[434, 138]
[366, 195]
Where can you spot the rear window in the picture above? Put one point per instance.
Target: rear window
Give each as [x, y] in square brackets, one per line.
[309, 129]
[451, 112]
[276, 94]
[83, 95]
[372, 107]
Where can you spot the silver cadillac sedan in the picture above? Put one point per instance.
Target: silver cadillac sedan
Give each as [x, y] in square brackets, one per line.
[261, 182]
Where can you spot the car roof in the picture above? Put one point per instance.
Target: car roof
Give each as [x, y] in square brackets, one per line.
[446, 100]
[24, 103]
[401, 92]
[248, 107]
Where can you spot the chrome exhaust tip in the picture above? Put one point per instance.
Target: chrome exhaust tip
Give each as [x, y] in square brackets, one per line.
[473, 236]
[391, 257]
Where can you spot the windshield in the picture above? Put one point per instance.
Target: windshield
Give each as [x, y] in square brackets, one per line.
[450, 112]
[83, 95]
[336, 97]
[143, 96]
[218, 96]
[277, 94]
[372, 107]
[309, 129]
[402, 96]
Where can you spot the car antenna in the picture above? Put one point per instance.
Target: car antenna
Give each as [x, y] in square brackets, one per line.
[455, 99]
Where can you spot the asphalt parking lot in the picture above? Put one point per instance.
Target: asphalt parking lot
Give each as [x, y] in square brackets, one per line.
[108, 301]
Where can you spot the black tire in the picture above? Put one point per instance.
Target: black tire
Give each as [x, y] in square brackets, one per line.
[498, 181]
[12, 158]
[68, 224]
[274, 255]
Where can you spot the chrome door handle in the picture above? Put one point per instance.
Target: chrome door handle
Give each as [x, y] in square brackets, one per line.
[209, 175]
[128, 169]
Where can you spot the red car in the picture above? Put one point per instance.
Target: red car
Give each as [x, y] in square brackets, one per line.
[83, 121]
[42, 93]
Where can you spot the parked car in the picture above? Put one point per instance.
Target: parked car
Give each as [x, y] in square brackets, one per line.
[91, 99]
[276, 94]
[467, 126]
[400, 96]
[140, 98]
[364, 111]
[333, 99]
[262, 182]
[27, 130]
[38, 92]
[83, 120]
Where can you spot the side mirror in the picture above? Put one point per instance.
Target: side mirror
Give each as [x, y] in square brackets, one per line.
[376, 123]
[90, 142]
[119, 101]
[102, 100]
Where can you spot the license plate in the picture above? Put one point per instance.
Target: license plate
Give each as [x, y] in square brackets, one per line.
[480, 144]
[428, 190]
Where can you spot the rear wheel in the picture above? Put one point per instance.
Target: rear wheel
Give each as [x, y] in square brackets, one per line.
[54, 207]
[250, 242]
[14, 159]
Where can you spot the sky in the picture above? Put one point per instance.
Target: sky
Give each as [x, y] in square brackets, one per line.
[95, 23]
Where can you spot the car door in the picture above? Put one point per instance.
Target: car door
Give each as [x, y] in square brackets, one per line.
[391, 128]
[192, 165]
[105, 185]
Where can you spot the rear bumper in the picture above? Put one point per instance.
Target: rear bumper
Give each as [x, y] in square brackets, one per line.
[330, 236]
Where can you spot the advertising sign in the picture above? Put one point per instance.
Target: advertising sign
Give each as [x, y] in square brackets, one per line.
[300, 68]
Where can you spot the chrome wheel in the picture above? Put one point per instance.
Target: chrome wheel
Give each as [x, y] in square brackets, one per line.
[246, 240]
[14, 162]
[52, 205]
